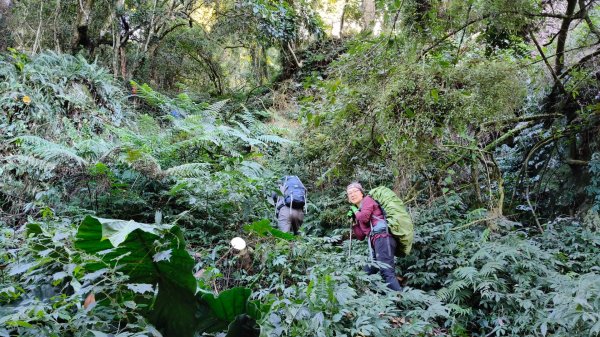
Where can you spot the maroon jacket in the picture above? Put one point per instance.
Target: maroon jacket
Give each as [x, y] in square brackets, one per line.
[369, 211]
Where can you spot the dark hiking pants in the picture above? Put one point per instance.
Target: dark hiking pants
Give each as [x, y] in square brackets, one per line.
[383, 251]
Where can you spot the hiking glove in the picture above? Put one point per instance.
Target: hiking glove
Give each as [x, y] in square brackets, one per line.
[351, 212]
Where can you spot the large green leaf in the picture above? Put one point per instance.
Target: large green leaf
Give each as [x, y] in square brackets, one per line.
[132, 246]
[243, 326]
[263, 228]
[229, 303]
[156, 255]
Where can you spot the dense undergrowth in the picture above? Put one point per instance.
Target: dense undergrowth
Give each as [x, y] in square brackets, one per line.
[460, 283]
[79, 150]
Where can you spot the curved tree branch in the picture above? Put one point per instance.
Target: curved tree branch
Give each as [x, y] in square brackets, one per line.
[581, 62]
[445, 37]
[587, 19]
[523, 119]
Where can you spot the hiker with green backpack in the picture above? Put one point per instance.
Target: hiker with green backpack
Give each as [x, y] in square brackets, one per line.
[382, 217]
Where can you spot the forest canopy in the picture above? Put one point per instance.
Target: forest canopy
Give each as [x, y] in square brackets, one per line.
[138, 138]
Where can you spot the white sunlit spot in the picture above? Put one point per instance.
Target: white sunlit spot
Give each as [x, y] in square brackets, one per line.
[238, 243]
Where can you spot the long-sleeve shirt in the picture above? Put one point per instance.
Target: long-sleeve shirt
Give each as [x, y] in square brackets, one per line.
[368, 212]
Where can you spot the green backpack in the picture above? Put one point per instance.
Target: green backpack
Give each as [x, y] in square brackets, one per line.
[398, 219]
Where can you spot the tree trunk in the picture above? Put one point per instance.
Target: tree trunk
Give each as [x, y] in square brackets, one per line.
[38, 34]
[57, 46]
[5, 6]
[81, 33]
[123, 60]
[368, 10]
[289, 61]
[343, 17]
[259, 63]
[562, 37]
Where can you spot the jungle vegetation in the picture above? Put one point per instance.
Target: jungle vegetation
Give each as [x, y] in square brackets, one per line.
[137, 137]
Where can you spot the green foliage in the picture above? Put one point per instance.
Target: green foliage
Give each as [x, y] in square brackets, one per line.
[264, 228]
[439, 105]
[314, 288]
[41, 91]
[282, 21]
[406, 115]
[507, 283]
[593, 189]
[136, 271]
[135, 250]
[51, 282]
[207, 161]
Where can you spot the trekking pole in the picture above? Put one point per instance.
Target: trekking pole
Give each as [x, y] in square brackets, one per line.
[350, 245]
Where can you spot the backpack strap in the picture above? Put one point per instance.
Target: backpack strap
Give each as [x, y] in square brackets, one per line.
[382, 209]
[385, 217]
[387, 226]
[291, 196]
[304, 209]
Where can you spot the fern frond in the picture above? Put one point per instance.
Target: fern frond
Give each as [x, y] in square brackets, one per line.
[484, 286]
[94, 148]
[251, 169]
[273, 139]
[191, 170]
[466, 273]
[29, 163]
[201, 140]
[492, 267]
[191, 124]
[482, 255]
[459, 310]
[215, 108]
[242, 127]
[226, 130]
[457, 286]
[249, 119]
[48, 150]
[229, 131]
[417, 296]
[444, 294]
[149, 95]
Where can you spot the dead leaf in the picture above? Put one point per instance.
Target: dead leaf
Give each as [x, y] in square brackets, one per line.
[90, 301]
[199, 273]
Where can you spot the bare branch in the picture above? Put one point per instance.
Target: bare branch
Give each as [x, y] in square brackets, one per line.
[576, 162]
[587, 19]
[523, 119]
[557, 81]
[581, 62]
[504, 137]
[566, 51]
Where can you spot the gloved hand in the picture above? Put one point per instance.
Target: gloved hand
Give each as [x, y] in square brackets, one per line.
[351, 212]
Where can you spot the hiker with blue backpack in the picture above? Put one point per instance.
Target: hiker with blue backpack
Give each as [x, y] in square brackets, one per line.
[290, 205]
[369, 221]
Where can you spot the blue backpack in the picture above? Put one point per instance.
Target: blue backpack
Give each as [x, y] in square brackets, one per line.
[294, 192]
